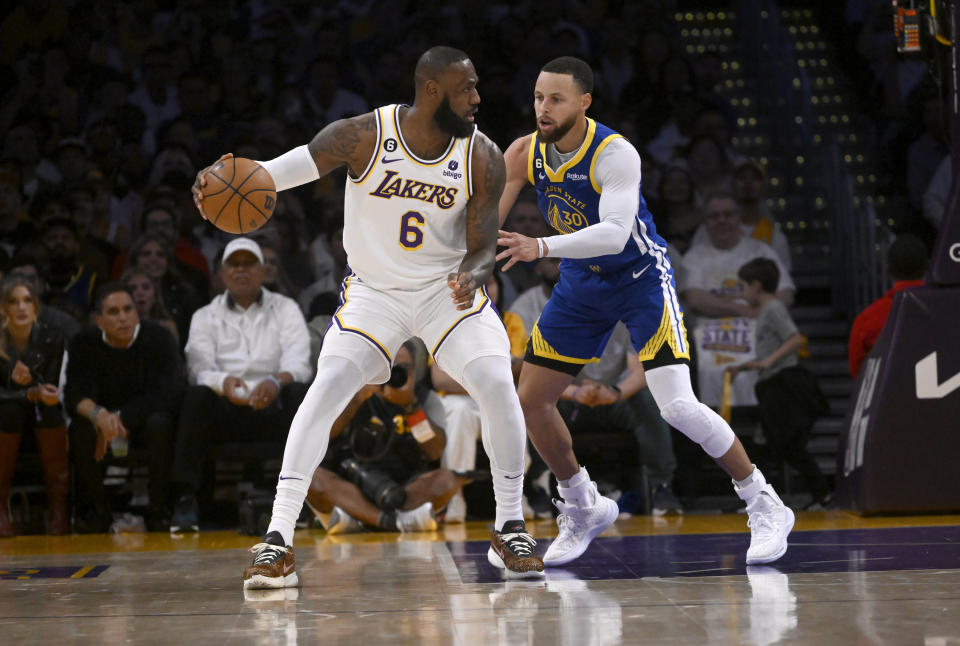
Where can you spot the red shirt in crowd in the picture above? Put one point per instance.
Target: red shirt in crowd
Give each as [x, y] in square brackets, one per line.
[869, 323]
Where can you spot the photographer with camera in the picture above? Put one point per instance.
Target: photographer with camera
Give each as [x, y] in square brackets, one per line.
[380, 469]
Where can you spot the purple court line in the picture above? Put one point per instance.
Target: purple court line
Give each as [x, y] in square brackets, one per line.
[686, 555]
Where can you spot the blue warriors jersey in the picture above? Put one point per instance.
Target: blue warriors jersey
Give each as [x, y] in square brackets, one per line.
[635, 286]
[569, 199]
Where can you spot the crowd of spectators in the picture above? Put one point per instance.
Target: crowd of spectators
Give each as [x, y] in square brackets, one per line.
[110, 109]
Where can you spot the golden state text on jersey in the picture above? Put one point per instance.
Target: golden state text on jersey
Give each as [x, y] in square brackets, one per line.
[569, 199]
[404, 216]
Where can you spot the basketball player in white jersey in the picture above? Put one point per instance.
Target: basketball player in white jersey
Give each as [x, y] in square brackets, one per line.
[420, 230]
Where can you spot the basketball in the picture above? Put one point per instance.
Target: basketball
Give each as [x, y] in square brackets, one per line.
[239, 196]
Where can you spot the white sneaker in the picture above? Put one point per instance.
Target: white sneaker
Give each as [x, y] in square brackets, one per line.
[456, 509]
[343, 523]
[417, 520]
[770, 522]
[578, 527]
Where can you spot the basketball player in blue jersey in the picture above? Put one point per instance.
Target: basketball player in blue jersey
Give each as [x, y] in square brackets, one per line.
[420, 229]
[615, 268]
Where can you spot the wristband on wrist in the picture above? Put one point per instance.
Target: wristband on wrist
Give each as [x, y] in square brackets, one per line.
[540, 247]
[615, 388]
[276, 382]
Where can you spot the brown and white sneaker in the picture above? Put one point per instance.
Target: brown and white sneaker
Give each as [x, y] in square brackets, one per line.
[273, 565]
[511, 550]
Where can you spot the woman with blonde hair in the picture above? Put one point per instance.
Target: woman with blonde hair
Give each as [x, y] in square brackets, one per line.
[31, 353]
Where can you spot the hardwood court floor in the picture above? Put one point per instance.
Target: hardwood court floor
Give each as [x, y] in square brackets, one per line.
[845, 580]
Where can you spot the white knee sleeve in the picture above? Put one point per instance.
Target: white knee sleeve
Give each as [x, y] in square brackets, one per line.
[679, 407]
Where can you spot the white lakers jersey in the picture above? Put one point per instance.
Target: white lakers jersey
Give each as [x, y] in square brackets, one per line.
[405, 217]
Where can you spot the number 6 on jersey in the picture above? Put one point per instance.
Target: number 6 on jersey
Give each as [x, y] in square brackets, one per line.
[411, 235]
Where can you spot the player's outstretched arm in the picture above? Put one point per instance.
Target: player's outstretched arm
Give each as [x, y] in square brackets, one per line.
[515, 159]
[482, 223]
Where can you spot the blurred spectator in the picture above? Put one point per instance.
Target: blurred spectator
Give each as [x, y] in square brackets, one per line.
[756, 221]
[31, 353]
[156, 94]
[524, 218]
[148, 299]
[724, 328]
[23, 145]
[789, 397]
[247, 363]
[70, 284]
[29, 265]
[327, 98]
[380, 468]
[15, 228]
[70, 157]
[274, 275]
[675, 212]
[162, 217]
[712, 288]
[709, 166]
[95, 252]
[907, 260]
[152, 254]
[123, 385]
[31, 25]
[530, 303]
[667, 144]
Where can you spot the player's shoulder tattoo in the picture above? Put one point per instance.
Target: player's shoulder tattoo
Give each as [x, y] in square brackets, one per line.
[342, 139]
[489, 161]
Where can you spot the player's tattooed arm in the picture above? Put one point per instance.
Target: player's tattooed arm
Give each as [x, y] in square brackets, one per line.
[347, 142]
[515, 158]
[489, 176]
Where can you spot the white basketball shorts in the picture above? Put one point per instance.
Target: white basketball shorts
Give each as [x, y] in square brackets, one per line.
[370, 319]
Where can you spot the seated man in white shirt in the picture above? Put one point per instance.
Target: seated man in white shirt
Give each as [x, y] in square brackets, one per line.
[724, 325]
[247, 364]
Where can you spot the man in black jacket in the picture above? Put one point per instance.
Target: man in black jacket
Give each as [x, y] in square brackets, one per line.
[124, 383]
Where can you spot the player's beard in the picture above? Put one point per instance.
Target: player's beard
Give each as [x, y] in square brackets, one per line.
[559, 130]
[450, 122]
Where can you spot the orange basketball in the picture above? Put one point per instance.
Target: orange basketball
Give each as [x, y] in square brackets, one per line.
[239, 195]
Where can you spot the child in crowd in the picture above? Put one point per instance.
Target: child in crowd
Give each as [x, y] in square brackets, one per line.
[789, 397]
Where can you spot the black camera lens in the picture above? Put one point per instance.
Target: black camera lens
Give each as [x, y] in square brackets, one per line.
[376, 485]
[398, 376]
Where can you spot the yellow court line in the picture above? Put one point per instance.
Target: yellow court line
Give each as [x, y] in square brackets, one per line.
[689, 523]
[82, 572]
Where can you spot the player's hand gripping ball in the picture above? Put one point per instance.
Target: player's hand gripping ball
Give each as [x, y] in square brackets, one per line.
[238, 194]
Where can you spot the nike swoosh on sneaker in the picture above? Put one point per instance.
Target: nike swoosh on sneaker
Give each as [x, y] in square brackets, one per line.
[384, 160]
[289, 478]
[637, 274]
[287, 569]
